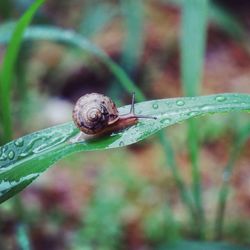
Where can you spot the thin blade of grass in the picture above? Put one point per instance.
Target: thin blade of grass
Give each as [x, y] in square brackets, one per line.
[170, 158]
[240, 140]
[96, 17]
[7, 70]
[193, 40]
[133, 42]
[225, 20]
[133, 16]
[229, 23]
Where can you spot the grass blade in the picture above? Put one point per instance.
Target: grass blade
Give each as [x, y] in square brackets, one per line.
[6, 74]
[227, 22]
[240, 141]
[193, 40]
[23, 160]
[133, 42]
[170, 157]
[96, 17]
[133, 13]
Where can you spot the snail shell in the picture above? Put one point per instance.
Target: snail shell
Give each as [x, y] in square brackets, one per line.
[94, 112]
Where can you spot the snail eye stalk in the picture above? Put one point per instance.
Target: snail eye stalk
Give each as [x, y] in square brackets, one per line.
[132, 110]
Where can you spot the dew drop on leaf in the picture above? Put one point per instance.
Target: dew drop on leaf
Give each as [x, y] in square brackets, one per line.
[180, 103]
[155, 106]
[166, 121]
[11, 155]
[193, 113]
[3, 155]
[220, 98]
[19, 142]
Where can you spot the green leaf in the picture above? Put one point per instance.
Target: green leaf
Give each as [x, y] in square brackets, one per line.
[23, 160]
[6, 74]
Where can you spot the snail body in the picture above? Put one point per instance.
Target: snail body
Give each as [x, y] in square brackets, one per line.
[96, 114]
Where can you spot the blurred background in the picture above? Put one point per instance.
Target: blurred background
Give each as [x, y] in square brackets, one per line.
[98, 200]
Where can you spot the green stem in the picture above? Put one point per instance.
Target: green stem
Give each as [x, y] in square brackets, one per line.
[7, 70]
[192, 45]
[170, 158]
[224, 191]
[223, 194]
[193, 148]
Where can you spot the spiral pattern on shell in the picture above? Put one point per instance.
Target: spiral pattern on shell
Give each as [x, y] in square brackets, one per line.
[94, 112]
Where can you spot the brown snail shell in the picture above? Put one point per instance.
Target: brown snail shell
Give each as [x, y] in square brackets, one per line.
[96, 114]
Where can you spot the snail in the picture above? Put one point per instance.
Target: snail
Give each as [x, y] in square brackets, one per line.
[96, 115]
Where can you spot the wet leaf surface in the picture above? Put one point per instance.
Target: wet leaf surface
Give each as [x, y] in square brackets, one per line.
[24, 159]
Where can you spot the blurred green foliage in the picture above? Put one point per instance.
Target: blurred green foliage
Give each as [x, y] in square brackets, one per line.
[104, 221]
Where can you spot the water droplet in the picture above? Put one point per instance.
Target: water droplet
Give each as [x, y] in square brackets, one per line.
[193, 113]
[155, 106]
[3, 155]
[205, 107]
[166, 121]
[11, 155]
[220, 98]
[121, 144]
[19, 142]
[23, 154]
[180, 103]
